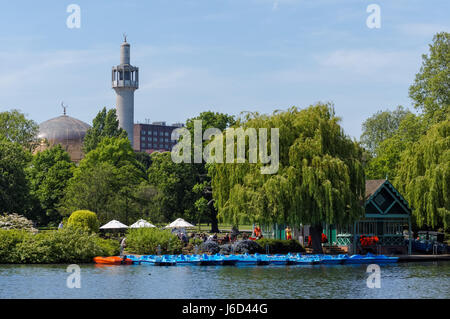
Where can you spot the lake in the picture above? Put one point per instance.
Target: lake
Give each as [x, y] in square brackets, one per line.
[403, 280]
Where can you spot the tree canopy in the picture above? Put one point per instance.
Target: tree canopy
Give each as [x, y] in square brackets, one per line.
[48, 174]
[424, 176]
[430, 91]
[106, 181]
[105, 124]
[320, 177]
[14, 187]
[381, 126]
[15, 127]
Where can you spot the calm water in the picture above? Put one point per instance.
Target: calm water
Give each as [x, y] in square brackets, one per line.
[406, 280]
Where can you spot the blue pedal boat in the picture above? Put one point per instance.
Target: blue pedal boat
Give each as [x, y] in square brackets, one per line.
[359, 259]
[382, 259]
[332, 260]
[165, 260]
[206, 260]
[282, 260]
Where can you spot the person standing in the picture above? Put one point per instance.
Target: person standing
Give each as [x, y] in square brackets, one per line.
[288, 233]
[123, 245]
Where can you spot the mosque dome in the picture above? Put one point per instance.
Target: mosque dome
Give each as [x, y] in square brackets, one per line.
[65, 130]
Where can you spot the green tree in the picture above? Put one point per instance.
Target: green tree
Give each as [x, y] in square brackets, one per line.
[105, 124]
[431, 89]
[174, 183]
[15, 127]
[202, 189]
[424, 176]
[14, 187]
[381, 126]
[385, 163]
[105, 181]
[48, 174]
[320, 177]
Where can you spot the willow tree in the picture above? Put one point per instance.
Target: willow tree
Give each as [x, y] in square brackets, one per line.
[424, 176]
[320, 178]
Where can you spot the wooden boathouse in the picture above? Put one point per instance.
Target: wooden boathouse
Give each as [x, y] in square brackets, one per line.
[387, 219]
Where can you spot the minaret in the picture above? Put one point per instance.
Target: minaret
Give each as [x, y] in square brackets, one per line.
[125, 80]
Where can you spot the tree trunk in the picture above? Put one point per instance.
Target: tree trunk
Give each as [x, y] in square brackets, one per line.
[214, 222]
[213, 215]
[316, 238]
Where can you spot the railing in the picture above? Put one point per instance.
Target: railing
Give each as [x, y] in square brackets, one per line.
[125, 83]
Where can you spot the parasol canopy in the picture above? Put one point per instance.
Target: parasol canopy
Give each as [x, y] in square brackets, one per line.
[114, 224]
[141, 223]
[179, 223]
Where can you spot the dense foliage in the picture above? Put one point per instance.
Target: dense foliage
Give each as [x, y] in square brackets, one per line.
[381, 126]
[105, 124]
[424, 176]
[16, 128]
[174, 183]
[106, 182]
[62, 246]
[145, 241]
[320, 177]
[14, 186]
[430, 91]
[48, 174]
[416, 156]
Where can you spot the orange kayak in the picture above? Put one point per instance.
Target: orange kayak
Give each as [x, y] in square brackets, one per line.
[113, 260]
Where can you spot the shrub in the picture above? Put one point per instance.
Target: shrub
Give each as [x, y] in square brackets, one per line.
[70, 245]
[226, 249]
[210, 247]
[278, 246]
[247, 247]
[8, 243]
[146, 241]
[15, 221]
[84, 219]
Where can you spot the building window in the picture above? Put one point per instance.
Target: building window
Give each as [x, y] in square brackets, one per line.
[142, 138]
[166, 146]
[166, 133]
[143, 132]
[149, 132]
[161, 133]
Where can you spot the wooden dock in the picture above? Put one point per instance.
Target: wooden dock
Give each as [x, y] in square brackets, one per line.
[408, 258]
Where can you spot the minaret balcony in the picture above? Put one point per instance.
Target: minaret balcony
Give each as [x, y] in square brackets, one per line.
[125, 84]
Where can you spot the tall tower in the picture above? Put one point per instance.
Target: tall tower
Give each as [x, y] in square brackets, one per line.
[125, 80]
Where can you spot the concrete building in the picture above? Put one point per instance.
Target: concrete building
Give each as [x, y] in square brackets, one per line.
[154, 137]
[125, 80]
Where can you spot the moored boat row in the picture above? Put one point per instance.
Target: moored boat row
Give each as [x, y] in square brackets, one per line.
[254, 259]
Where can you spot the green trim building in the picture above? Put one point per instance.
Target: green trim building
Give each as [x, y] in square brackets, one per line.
[387, 216]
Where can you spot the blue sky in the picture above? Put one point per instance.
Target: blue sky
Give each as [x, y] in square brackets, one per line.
[221, 55]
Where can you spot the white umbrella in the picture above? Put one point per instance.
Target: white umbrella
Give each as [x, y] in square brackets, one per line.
[114, 224]
[179, 223]
[141, 223]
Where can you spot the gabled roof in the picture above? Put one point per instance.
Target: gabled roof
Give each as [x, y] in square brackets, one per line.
[372, 185]
[374, 190]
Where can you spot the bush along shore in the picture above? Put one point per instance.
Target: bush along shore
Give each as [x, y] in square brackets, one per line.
[151, 241]
[79, 242]
[69, 245]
